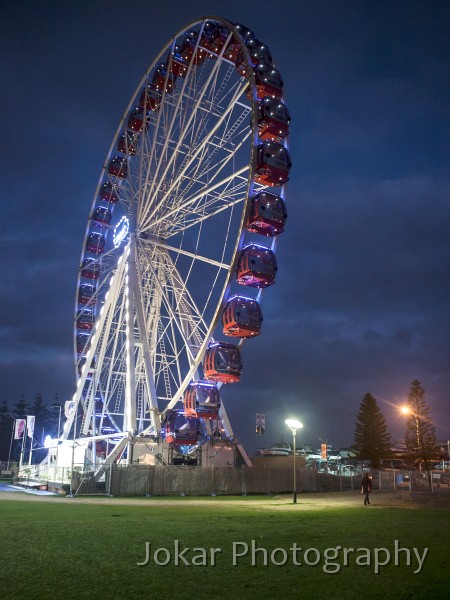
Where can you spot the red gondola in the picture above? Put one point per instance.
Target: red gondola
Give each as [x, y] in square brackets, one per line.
[102, 215]
[273, 119]
[273, 164]
[267, 214]
[209, 29]
[178, 66]
[188, 47]
[245, 33]
[82, 343]
[242, 317]
[268, 81]
[217, 40]
[90, 269]
[136, 119]
[222, 362]
[109, 192]
[149, 99]
[118, 166]
[181, 429]
[95, 242]
[128, 143]
[202, 400]
[258, 52]
[257, 266]
[162, 78]
[86, 321]
[86, 293]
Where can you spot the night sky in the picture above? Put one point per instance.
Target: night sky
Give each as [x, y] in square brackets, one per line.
[361, 302]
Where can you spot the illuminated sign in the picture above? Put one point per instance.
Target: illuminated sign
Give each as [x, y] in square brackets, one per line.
[121, 231]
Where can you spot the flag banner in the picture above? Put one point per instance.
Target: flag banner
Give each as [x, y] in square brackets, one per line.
[30, 426]
[323, 451]
[19, 428]
[260, 423]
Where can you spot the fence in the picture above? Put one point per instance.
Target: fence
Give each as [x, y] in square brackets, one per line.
[164, 480]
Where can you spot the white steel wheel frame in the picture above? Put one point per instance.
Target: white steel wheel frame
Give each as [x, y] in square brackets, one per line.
[160, 293]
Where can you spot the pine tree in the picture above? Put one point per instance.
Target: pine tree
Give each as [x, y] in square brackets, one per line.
[420, 437]
[6, 427]
[371, 439]
[44, 419]
[21, 408]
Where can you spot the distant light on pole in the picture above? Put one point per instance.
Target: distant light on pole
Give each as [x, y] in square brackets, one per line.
[293, 425]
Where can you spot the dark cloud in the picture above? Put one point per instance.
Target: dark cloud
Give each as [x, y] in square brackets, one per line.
[361, 300]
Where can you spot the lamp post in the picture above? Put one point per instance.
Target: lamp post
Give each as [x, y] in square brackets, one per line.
[57, 437]
[293, 425]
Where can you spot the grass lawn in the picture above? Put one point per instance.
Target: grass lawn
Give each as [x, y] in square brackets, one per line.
[73, 550]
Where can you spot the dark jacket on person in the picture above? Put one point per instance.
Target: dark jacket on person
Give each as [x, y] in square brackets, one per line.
[366, 484]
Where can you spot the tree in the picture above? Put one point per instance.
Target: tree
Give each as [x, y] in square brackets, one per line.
[21, 408]
[44, 419]
[420, 437]
[6, 427]
[371, 439]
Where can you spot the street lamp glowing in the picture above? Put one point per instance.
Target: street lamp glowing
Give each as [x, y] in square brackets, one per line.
[293, 425]
[405, 410]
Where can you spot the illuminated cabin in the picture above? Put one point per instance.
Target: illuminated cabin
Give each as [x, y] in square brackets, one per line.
[242, 317]
[208, 31]
[118, 166]
[188, 49]
[102, 215]
[182, 430]
[149, 99]
[109, 192]
[222, 362]
[267, 215]
[178, 66]
[162, 80]
[273, 164]
[128, 143]
[86, 293]
[82, 342]
[258, 52]
[273, 119]
[268, 81]
[95, 242]
[257, 266]
[245, 33]
[217, 39]
[86, 321]
[202, 400]
[136, 119]
[90, 269]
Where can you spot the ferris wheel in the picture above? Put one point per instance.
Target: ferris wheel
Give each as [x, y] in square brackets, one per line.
[180, 244]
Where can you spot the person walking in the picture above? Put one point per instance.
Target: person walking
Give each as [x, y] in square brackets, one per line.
[366, 487]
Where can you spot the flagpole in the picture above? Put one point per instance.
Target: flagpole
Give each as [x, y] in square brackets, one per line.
[30, 434]
[21, 452]
[10, 445]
